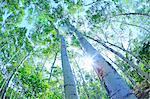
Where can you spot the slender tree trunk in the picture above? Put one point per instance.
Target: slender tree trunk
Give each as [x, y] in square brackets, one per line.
[84, 83]
[12, 76]
[52, 67]
[114, 84]
[140, 72]
[8, 62]
[69, 83]
[142, 27]
[76, 81]
[138, 58]
[127, 14]
[128, 52]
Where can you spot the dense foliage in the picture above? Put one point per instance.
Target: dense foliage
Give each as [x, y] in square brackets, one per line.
[30, 53]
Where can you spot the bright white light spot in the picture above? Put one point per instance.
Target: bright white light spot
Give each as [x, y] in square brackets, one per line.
[69, 39]
[87, 63]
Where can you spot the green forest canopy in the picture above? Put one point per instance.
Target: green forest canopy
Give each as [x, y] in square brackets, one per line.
[31, 56]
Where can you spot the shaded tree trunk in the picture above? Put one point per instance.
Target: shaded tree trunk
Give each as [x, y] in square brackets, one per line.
[69, 83]
[76, 81]
[114, 84]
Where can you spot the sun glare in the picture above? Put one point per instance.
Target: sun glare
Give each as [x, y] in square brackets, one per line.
[87, 62]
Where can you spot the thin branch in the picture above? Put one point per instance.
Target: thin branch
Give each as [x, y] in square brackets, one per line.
[127, 14]
[132, 25]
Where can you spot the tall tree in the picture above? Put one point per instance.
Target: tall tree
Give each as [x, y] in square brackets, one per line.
[115, 85]
[69, 83]
[140, 72]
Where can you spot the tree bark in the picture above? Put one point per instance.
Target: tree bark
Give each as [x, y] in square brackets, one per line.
[114, 84]
[69, 83]
[140, 72]
[76, 81]
[125, 72]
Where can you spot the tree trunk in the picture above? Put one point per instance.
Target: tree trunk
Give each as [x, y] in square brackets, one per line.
[127, 14]
[114, 84]
[125, 72]
[52, 67]
[138, 58]
[69, 83]
[76, 81]
[84, 83]
[140, 72]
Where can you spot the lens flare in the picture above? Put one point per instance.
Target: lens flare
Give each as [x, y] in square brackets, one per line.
[87, 62]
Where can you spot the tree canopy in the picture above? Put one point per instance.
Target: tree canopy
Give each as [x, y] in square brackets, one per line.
[46, 45]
